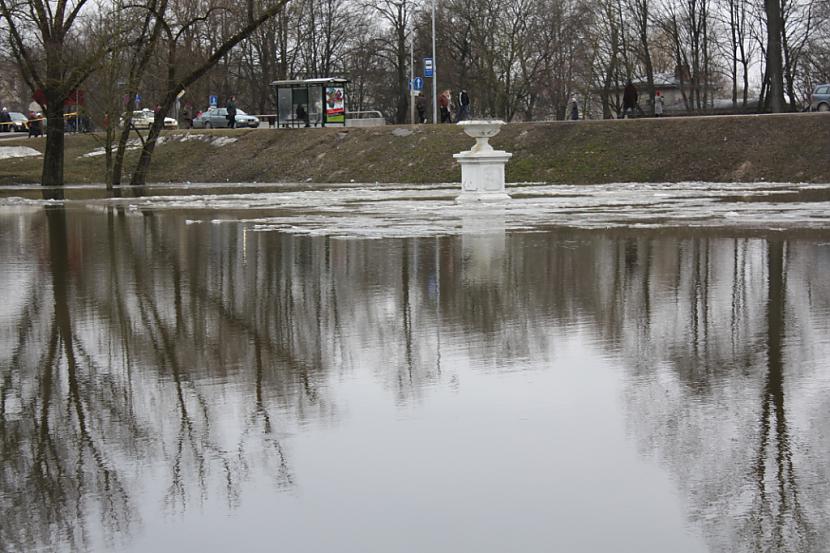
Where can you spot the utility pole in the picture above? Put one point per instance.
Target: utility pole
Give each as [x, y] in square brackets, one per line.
[434, 72]
[412, 78]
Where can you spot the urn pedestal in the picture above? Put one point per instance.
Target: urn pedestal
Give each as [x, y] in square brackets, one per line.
[482, 167]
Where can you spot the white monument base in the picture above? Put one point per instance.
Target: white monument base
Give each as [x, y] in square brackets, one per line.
[482, 176]
[482, 167]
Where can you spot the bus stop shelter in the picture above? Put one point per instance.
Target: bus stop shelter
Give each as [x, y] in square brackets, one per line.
[311, 102]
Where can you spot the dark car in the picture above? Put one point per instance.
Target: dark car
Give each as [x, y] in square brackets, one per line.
[217, 118]
[820, 98]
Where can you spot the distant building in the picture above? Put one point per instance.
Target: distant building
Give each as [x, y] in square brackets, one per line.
[669, 86]
[672, 89]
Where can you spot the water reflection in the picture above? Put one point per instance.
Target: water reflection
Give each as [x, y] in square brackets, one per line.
[140, 352]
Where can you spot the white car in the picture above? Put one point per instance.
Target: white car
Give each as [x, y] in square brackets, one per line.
[143, 119]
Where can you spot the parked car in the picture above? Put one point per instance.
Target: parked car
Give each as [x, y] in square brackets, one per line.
[20, 123]
[143, 119]
[820, 98]
[217, 118]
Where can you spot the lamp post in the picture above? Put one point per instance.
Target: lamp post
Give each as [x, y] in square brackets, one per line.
[434, 72]
[412, 77]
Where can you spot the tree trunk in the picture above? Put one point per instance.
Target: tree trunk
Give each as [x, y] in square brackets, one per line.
[52, 175]
[775, 64]
[123, 138]
[403, 89]
[143, 167]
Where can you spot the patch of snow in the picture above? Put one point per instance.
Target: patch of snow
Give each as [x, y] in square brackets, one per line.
[220, 141]
[8, 152]
[132, 144]
[135, 143]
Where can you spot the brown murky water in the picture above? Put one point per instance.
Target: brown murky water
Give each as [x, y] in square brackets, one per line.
[203, 387]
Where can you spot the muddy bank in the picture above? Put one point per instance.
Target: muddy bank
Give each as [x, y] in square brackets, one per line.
[786, 148]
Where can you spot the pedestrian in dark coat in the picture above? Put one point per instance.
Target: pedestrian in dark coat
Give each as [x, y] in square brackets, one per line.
[630, 96]
[231, 107]
[187, 116]
[302, 115]
[421, 108]
[464, 101]
[5, 120]
[574, 114]
[35, 124]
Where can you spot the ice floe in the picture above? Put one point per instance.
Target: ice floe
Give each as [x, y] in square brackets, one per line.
[406, 210]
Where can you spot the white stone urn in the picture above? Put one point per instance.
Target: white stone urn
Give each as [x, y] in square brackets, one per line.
[482, 167]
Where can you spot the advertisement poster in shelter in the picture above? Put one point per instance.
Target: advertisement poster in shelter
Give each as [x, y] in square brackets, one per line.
[335, 104]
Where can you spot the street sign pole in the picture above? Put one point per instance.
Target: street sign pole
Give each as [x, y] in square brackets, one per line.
[412, 79]
[434, 72]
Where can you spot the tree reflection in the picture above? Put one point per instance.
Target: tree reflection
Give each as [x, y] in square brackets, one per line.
[79, 403]
[736, 464]
[143, 341]
[778, 520]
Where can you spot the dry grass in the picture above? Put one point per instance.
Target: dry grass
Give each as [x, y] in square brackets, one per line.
[790, 147]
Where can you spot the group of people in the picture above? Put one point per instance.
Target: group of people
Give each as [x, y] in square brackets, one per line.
[33, 122]
[446, 109]
[445, 105]
[631, 104]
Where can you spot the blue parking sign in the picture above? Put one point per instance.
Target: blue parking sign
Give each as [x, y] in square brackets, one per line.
[214, 100]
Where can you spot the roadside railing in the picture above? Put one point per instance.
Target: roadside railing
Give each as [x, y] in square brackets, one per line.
[367, 118]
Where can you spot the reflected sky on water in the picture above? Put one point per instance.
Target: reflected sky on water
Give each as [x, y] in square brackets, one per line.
[167, 385]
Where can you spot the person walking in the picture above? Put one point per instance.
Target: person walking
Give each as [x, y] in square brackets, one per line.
[574, 110]
[421, 108]
[5, 120]
[302, 115]
[464, 102]
[444, 106]
[35, 127]
[630, 96]
[187, 116]
[658, 104]
[231, 107]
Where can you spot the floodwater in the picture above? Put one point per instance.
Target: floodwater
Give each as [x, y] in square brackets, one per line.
[629, 368]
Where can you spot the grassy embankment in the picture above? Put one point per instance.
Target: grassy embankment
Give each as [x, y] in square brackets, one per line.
[787, 148]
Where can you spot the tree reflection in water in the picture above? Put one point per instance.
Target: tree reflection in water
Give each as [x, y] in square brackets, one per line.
[746, 486]
[142, 344]
[81, 400]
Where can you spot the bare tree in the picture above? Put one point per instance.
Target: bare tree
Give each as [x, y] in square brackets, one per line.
[397, 16]
[174, 27]
[44, 39]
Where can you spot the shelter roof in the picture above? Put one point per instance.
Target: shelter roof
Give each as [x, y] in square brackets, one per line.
[307, 82]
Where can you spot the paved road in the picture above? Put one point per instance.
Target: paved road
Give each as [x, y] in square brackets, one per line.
[12, 135]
